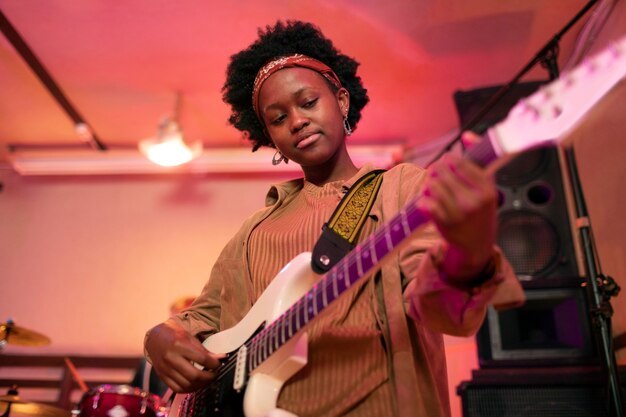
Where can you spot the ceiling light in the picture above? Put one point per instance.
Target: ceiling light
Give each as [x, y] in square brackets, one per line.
[169, 148]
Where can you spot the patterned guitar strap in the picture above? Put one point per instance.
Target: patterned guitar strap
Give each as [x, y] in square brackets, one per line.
[340, 233]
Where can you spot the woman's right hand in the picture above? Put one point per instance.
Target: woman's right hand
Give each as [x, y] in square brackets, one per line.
[173, 352]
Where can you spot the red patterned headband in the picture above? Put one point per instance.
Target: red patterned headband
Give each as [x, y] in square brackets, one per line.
[296, 60]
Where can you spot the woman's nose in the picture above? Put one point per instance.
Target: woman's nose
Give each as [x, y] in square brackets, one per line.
[300, 121]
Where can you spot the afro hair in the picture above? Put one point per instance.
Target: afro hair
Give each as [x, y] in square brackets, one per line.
[285, 38]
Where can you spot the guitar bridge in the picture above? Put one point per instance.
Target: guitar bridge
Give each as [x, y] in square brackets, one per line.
[239, 379]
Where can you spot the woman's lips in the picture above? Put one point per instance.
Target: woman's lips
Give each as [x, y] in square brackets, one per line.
[308, 140]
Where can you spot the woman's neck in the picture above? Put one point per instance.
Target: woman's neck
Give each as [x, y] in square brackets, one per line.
[337, 168]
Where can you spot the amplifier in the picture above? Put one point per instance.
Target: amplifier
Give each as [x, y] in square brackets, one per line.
[537, 392]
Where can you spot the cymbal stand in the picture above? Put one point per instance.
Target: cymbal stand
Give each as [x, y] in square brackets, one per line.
[11, 391]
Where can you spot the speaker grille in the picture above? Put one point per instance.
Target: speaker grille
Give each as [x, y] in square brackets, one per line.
[546, 401]
[529, 241]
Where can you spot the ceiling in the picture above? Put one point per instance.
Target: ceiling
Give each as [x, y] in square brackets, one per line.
[121, 64]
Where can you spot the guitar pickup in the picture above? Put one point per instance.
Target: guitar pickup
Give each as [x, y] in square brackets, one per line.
[239, 379]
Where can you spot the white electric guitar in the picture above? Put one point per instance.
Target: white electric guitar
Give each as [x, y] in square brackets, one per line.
[270, 344]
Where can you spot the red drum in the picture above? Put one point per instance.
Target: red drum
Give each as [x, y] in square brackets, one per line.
[119, 401]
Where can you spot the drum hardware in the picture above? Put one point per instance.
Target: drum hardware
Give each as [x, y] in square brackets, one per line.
[16, 335]
[11, 398]
[105, 401]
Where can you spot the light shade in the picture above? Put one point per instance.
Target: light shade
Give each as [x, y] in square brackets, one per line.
[169, 148]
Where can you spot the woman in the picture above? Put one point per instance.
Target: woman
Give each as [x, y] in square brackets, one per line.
[379, 350]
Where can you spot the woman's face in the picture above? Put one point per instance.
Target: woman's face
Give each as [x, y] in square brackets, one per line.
[303, 116]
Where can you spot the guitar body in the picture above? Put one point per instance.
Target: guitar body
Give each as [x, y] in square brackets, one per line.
[258, 397]
[215, 400]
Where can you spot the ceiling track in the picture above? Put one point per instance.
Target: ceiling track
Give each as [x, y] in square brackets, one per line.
[33, 62]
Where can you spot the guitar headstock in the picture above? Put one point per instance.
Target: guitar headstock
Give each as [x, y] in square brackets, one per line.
[555, 109]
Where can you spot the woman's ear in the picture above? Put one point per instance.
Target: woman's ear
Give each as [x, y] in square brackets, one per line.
[343, 99]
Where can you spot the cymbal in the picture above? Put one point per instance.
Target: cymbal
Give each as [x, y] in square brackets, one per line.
[10, 399]
[22, 337]
[34, 409]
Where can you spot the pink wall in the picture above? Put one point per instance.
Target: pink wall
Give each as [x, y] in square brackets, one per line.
[94, 262]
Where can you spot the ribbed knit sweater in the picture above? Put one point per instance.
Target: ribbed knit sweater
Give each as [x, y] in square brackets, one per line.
[347, 360]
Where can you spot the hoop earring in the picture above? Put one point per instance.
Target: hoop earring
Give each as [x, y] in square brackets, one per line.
[277, 160]
[346, 126]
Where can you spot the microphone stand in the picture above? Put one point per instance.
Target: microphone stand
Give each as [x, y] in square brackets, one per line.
[546, 56]
[600, 289]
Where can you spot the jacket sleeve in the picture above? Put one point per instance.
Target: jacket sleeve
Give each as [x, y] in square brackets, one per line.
[205, 315]
[455, 310]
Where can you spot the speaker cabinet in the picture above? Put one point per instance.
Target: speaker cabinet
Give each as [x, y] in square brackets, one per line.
[552, 328]
[534, 222]
[555, 392]
[534, 227]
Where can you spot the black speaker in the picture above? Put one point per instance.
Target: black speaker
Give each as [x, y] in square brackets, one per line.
[534, 228]
[557, 392]
[552, 328]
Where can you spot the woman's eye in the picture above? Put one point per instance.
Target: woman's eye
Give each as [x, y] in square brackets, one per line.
[278, 120]
[310, 103]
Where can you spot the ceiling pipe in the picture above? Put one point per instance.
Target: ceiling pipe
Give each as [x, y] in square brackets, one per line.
[82, 127]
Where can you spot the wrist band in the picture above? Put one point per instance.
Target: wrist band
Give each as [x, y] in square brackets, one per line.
[488, 271]
[485, 275]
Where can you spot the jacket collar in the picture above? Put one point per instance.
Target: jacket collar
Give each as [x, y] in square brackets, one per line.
[278, 192]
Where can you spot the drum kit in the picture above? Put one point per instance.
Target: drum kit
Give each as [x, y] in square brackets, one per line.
[103, 401]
